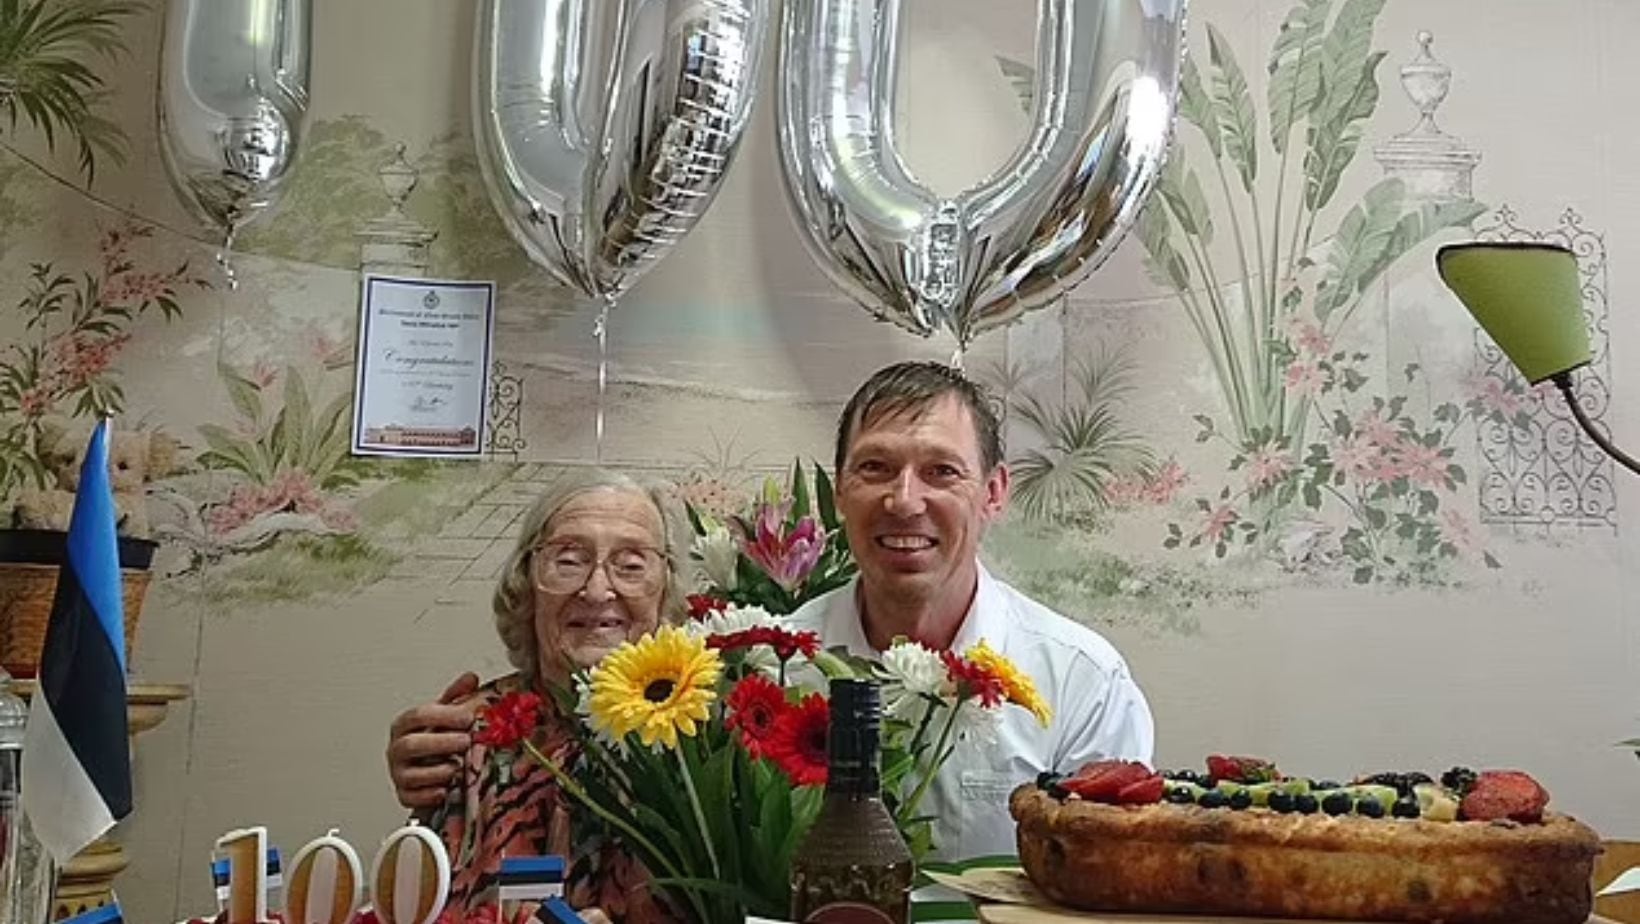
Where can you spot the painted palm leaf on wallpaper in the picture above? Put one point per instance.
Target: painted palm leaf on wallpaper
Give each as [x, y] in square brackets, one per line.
[1241, 237]
[51, 89]
[1084, 445]
[44, 77]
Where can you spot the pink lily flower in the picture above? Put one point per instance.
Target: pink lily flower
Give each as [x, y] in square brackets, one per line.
[786, 556]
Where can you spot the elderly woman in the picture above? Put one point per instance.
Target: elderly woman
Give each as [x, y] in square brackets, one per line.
[595, 566]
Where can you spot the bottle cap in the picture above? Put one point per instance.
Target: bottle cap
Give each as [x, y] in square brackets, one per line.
[855, 701]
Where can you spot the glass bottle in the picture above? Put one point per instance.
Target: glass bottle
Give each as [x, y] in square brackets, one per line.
[27, 875]
[852, 867]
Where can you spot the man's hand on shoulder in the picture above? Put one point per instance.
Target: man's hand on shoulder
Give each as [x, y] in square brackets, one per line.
[425, 744]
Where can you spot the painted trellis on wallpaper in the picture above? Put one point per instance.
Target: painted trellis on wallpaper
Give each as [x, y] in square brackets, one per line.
[1539, 467]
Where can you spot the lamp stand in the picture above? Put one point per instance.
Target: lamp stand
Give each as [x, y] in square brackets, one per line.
[1563, 381]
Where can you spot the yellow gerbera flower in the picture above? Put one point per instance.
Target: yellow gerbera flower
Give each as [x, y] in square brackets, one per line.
[1016, 687]
[659, 687]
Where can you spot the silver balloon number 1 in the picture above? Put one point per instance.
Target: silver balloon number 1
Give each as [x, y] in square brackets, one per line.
[1106, 91]
[233, 98]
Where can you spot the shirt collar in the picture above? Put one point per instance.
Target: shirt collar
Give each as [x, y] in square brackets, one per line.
[986, 618]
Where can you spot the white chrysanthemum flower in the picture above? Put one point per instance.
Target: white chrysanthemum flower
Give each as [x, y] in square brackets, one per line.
[732, 619]
[583, 711]
[719, 556]
[913, 677]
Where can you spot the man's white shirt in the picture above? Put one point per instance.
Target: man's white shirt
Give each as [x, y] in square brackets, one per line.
[1098, 710]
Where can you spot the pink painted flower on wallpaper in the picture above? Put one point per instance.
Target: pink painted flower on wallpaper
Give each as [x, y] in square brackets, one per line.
[786, 556]
[1157, 488]
[294, 490]
[1355, 456]
[1383, 469]
[326, 350]
[1166, 484]
[1425, 466]
[290, 491]
[1304, 377]
[263, 373]
[1307, 338]
[34, 402]
[1376, 430]
[1493, 394]
[339, 519]
[1266, 467]
[81, 357]
[1456, 529]
[1125, 491]
[1216, 526]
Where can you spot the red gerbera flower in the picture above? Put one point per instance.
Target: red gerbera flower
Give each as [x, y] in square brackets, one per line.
[509, 720]
[973, 680]
[755, 705]
[798, 743]
[704, 605]
[784, 641]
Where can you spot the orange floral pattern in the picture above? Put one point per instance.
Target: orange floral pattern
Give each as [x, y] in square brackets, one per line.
[508, 804]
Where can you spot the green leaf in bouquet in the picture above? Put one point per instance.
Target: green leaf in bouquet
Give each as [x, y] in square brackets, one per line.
[800, 492]
[919, 837]
[661, 829]
[694, 519]
[805, 807]
[895, 769]
[825, 501]
[706, 885]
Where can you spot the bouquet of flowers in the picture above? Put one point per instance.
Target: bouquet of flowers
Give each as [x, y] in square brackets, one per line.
[703, 747]
[789, 549]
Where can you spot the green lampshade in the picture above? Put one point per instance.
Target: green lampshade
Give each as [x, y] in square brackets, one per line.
[1527, 296]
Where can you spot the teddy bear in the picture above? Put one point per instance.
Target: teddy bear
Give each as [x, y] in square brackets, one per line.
[135, 457]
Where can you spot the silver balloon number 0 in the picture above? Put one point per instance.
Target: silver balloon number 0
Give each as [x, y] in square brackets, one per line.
[605, 128]
[1106, 92]
[233, 99]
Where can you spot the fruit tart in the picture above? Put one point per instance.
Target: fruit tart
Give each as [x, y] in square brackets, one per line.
[1242, 838]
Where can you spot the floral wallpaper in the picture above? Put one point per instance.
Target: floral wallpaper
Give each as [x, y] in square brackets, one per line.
[1261, 450]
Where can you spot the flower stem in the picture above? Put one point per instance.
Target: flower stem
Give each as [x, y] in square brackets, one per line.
[700, 816]
[922, 727]
[909, 809]
[831, 665]
[574, 789]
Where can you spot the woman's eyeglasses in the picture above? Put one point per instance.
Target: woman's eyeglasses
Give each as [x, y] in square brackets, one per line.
[565, 569]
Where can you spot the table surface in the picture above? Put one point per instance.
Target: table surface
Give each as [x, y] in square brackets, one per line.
[1028, 914]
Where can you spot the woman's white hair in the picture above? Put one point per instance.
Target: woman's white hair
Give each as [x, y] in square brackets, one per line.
[514, 601]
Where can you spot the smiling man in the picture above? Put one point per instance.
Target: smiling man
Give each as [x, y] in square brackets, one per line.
[920, 475]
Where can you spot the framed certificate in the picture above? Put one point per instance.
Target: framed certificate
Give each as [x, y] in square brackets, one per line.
[423, 368]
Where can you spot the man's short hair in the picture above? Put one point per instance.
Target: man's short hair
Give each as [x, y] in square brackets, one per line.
[911, 387]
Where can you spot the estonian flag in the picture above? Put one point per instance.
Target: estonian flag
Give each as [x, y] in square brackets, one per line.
[107, 914]
[76, 755]
[530, 878]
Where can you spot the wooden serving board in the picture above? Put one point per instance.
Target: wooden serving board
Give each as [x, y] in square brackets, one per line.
[1033, 914]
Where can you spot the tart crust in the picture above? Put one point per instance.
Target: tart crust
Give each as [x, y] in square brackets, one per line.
[1184, 858]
